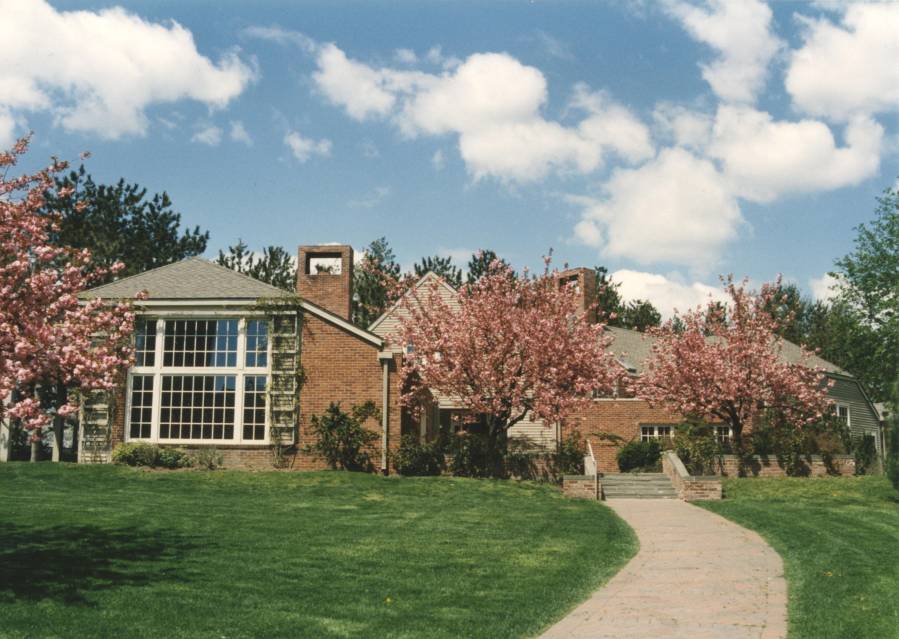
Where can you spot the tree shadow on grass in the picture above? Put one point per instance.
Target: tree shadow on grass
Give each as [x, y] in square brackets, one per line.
[65, 563]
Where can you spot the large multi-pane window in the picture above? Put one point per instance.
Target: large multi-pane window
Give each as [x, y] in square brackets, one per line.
[198, 380]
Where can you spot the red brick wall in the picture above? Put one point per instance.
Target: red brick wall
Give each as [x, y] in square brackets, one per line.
[341, 367]
[768, 467]
[331, 291]
[620, 417]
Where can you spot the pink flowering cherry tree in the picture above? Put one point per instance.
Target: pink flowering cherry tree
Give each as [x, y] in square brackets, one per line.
[513, 346]
[722, 363]
[54, 348]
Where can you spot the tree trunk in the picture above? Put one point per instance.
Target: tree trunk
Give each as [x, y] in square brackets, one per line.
[35, 447]
[58, 428]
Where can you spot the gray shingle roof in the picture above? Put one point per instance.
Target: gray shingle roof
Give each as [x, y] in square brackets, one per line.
[193, 278]
[634, 350]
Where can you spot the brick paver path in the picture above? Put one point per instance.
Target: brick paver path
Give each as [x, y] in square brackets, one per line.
[696, 575]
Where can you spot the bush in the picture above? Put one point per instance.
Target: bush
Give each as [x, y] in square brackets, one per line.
[865, 455]
[640, 456]
[470, 456]
[207, 459]
[569, 459]
[524, 462]
[341, 439]
[150, 455]
[892, 434]
[417, 459]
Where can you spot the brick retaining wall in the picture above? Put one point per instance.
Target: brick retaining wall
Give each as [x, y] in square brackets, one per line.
[689, 487]
[581, 487]
[768, 466]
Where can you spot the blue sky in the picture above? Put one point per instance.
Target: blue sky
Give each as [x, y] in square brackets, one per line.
[669, 141]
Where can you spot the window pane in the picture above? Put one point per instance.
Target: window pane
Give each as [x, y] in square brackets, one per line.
[254, 407]
[145, 342]
[257, 343]
[200, 343]
[141, 406]
[188, 410]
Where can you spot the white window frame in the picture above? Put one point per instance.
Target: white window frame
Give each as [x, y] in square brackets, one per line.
[157, 371]
[655, 435]
[729, 437]
[848, 413]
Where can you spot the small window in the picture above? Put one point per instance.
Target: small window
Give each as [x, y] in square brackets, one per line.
[141, 406]
[843, 414]
[257, 344]
[655, 431]
[145, 343]
[724, 434]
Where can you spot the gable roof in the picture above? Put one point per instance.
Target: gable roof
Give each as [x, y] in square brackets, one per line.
[634, 350]
[428, 278]
[191, 279]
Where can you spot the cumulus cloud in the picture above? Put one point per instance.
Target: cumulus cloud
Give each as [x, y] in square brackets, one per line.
[764, 158]
[824, 287]
[238, 133]
[438, 161]
[493, 103]
[209, 135]
[8, 126]
[740, 32]
[682, 126]
[849, 67]
[675, 208]
[668, 293]
[304, 148]
[405, 56]
[97, 72]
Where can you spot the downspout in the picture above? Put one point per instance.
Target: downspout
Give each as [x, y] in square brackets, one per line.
[385, 358]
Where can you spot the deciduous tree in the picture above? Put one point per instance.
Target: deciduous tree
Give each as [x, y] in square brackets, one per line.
[730, 369]
[514, 347]
[50, 354]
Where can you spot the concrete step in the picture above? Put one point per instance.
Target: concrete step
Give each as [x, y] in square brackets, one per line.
[638, 486]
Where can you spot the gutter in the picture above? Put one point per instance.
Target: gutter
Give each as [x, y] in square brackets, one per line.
[385, 358]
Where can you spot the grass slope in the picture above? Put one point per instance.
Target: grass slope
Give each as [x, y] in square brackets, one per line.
[839, 539]
[108, 551]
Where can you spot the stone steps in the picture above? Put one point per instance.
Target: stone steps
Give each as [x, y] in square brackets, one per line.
[638, 486]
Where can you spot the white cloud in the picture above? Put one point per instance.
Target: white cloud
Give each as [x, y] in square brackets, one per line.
[764, 159]
[209, 135]
[8, 126]
[282, 36]
[552, 46]
[848, 68]
[405, 56]
[304, 148]
[675, 208]
[824, 287]
[493, 103]
[97, 72]
[668, 293]
[370, 199]
[438, 161]
[369, 150]
[238, 133]
[690, 129]
[740, 31]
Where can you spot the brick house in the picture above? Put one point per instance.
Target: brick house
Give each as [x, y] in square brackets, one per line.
[218, 363]
[219, 356]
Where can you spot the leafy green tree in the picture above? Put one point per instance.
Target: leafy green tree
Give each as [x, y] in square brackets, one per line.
[275, 267]
[374, 281]
[480, 263]
[442, 266]
[869, 286]
[120, 223]
[893, 434]
[639, 315]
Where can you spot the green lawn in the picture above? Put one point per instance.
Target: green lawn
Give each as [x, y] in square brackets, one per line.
[118, 552]
[839, 539]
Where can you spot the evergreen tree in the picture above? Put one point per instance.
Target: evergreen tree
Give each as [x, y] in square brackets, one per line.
[275, 267]
[120, 223]
[374, 281]
[442, 266]
[479, 264]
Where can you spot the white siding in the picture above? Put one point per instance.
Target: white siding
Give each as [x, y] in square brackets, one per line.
[387, 327]
[535, 432]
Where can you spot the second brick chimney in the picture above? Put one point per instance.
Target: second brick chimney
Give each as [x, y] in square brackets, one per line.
[325, 277]
[584, 280]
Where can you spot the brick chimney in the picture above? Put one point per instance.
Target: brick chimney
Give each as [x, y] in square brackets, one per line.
[584, 280]
[325, 277]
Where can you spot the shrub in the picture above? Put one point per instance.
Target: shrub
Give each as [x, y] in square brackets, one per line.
[206, 458]
[569, 459]
[639, 456]
[865, 455]
[341, 439]
[136, 454]
[470, 456]
[893, 436]
[417, 459]
[150, 455]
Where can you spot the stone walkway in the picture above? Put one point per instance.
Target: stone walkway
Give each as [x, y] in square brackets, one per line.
[696, 575]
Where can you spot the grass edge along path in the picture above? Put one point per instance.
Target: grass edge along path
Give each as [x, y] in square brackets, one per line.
[111, 551]
[839, 540]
